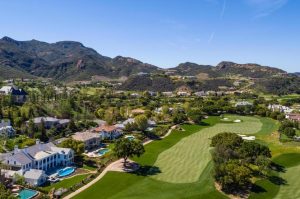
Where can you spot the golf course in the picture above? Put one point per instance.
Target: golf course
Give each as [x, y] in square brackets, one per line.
[180, 166]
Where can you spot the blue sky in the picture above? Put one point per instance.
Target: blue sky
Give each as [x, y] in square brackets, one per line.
[165, 32]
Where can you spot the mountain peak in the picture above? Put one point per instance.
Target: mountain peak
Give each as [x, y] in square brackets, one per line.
[8, 39]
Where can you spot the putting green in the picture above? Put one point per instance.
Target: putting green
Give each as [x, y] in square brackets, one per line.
[185, 161]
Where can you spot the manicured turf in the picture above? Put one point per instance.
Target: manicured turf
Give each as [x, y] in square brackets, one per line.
[186, 161]
[283, 184]
[145, 185]
[140, 185]
[67, 183]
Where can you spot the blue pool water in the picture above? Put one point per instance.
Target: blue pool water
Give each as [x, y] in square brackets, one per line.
[27, 194]
[66, 171]
[130, 137]
[102, 152]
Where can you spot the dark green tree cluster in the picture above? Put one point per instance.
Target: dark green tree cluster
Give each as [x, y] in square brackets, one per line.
[77, 146]
[236, 161]
[288, 128]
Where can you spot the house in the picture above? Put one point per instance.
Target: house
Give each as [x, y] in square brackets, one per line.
[136, 95]
[243, 103]
[91, 140]
[151, 123]
[280, 108]
[167, 94]
[293, 116]
[122, 125]
[41, 156]
[35, 177]
[110, 132]
[18, 95]
[183, 93]
[137, 111]
[6, 130]
[200, 94]
[50, 122]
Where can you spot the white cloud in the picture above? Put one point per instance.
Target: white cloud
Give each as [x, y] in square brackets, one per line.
[265, 8]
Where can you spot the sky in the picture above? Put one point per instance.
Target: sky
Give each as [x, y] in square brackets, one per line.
[165, 32]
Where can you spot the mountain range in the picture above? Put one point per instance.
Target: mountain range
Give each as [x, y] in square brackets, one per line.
[72, 61]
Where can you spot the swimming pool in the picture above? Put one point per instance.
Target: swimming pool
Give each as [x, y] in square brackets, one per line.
[130, 137]
[27, 194]
[102, 152]
[65, 171]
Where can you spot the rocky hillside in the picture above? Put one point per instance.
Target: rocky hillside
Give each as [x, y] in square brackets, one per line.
[66, 60]
[72, 61]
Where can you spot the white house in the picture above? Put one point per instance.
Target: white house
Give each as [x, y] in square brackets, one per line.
[280, 108]
[243, 103]
[39, 157]
[6, 130]
[90, 140]
[108, 131]
[35, 177]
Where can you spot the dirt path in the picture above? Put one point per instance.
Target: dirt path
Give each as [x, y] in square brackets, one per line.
[114, 166]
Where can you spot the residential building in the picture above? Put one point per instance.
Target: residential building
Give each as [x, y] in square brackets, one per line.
[6, 130]
[110, 132]
[50, 122]
[243, 103]
[137, 111]
[293, 116]
[91, 140]
[41, 156]
[280, 108]
[183, 93]
[168, 94]
[18, 95]
[200, 94]
[35, 177]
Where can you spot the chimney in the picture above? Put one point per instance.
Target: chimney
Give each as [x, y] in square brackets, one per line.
[25, 149]
[16, 149]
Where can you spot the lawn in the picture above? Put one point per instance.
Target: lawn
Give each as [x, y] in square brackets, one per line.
[192, 145]
[66, 183]
[186, 161]
[284, 183]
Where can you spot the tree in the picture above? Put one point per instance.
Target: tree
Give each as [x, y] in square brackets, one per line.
[250, 151]
[44, 137]
[229, 140]
[289, 131]
[77, 146]
[195, 115]
[72, 126]
[125, 148]
[179, 117]
[5, 193]
[31, 128]
[233, 176]
[141, 122]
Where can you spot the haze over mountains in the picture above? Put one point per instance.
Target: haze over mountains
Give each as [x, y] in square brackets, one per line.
[72, 61]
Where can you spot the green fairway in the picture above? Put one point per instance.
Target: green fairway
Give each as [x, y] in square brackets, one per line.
[283, 184]
[191, 145]
[185, 161]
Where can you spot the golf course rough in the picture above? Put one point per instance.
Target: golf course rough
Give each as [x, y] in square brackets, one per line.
[185, 161]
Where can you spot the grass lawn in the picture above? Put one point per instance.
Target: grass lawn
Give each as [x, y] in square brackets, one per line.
[66, 183]
[186, 161]
[197, 183]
